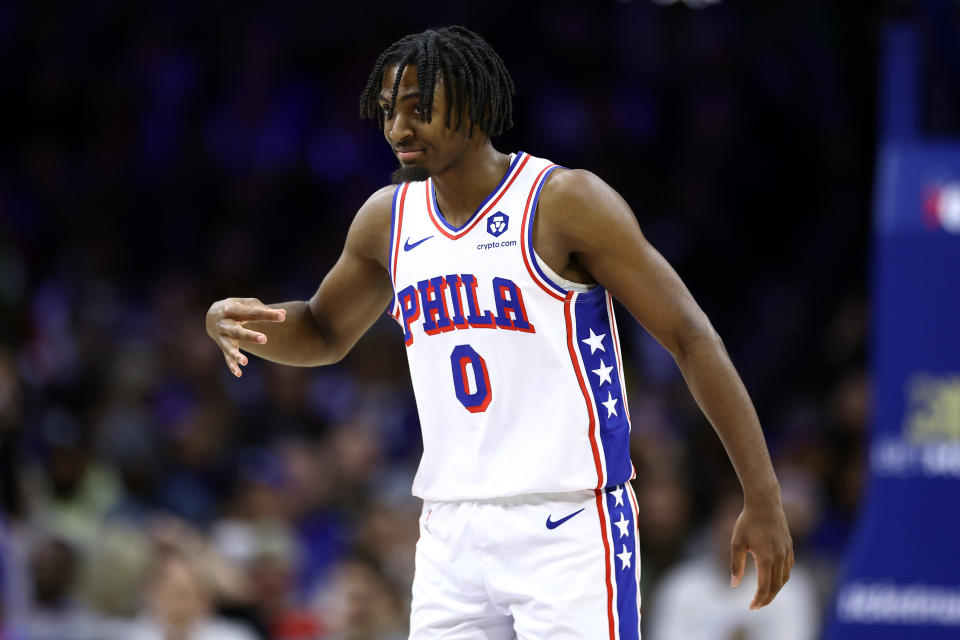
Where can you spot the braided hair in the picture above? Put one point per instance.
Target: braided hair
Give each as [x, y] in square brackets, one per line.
[476, 79]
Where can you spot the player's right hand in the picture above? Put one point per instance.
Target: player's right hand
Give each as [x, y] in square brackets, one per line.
[225, 320]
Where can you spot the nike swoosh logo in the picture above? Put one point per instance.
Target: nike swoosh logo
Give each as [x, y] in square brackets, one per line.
[407, 246]
[553, 524]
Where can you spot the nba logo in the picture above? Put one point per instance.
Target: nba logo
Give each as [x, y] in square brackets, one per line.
[498, 224]
[941, 207]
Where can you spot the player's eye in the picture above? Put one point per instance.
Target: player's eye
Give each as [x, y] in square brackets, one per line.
[387, 111]
[418, 109]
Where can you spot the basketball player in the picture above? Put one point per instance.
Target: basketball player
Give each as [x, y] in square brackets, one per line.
[500, 270]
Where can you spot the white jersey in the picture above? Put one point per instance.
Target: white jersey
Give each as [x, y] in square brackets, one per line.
[518, 379]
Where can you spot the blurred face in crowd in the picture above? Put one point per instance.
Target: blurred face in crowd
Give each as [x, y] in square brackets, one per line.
[9, 391]
[272, 578]
[423, 148]
[66, 468]
[52, 568]
[362, 604]
[664, 510]
[177, 596]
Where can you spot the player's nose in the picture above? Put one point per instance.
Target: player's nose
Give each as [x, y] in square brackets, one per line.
[399, 129]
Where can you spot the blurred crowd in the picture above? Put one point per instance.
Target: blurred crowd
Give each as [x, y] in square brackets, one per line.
[161, 156]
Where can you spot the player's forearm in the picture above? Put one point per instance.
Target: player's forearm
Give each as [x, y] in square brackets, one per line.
[722, 397]
[296, 341]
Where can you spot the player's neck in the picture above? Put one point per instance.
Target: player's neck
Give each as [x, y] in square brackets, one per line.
[463, 187]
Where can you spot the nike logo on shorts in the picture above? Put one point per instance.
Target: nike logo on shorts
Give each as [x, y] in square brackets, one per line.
[553, 524]
[407, 246]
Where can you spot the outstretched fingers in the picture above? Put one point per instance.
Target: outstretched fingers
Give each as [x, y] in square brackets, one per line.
[232, 355]
[235, 330]
[225, 324]
[253, 310]
[233, 363]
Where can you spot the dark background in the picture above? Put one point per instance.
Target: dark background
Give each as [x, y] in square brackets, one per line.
[160, 156]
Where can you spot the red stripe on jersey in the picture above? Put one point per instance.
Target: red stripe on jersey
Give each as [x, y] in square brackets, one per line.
[616, 348]
[396, 248]
[636, 542]
[583, 389]
[524, 249]
[487, 209]
[606, 561]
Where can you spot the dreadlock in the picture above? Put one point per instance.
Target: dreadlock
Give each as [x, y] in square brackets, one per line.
[475, 77]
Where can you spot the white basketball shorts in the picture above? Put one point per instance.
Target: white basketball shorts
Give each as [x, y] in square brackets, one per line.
[562, 566]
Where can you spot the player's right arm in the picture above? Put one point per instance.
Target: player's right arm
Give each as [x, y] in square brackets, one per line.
[323, 329]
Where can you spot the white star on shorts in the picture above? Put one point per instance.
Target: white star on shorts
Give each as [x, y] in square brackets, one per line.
[625, 557]
[618, 496]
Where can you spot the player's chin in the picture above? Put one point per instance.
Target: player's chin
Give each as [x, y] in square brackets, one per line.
[410, 173]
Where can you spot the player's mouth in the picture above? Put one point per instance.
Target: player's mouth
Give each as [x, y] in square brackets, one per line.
[408, 155]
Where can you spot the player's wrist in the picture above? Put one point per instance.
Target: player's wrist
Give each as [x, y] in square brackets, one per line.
[764, 497]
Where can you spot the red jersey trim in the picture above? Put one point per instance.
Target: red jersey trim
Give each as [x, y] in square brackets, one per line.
[443, 227]
[598, 463]
[525, 250]
[606, 560]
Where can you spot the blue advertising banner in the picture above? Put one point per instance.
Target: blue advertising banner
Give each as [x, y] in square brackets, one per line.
[902, 571]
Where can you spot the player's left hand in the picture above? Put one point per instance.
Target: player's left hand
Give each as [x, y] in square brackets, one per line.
[763, 532]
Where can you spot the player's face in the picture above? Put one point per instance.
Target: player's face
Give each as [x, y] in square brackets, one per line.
[423, 148]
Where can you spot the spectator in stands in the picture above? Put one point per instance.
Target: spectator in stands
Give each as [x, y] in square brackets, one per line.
[180, 605]
[53, 612]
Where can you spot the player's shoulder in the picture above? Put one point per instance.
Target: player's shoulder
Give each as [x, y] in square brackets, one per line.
[576, 188]
[577, 196]
[378, 208]
[374, 215]
[370, 231]
[573, 182]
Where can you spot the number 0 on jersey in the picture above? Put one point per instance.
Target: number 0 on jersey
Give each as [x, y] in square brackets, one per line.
[463, 356]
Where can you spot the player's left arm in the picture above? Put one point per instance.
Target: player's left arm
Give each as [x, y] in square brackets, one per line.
[596, 228]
